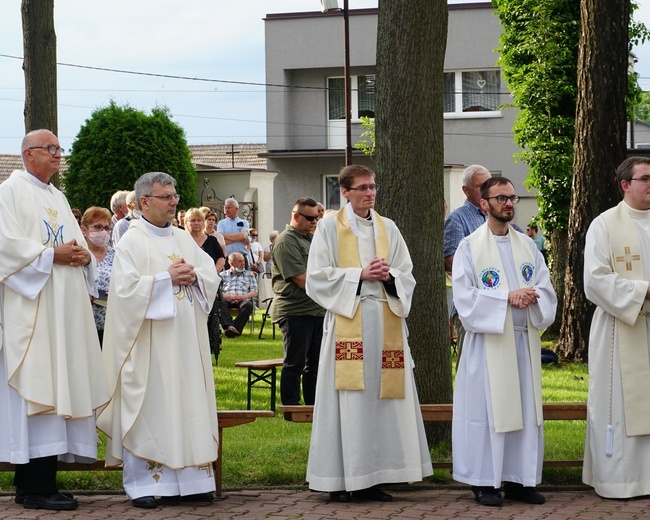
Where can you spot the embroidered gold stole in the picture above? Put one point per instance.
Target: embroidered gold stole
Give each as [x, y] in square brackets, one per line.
[349, 369]
[500, 349]
[626, 260]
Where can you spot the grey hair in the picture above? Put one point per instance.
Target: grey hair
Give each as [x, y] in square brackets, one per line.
[472, 170]
[144, 185]
[231, 201]
[234, 255]
[273, 234]
[118, 199]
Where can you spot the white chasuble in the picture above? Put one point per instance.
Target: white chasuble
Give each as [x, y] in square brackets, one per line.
[158, 364]
[483, 456]
[50, 358]
[358, 439]
[624, 470]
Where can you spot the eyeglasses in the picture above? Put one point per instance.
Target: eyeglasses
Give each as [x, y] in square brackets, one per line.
[643, 180]
[501, 199]
[366, 187]
[166, 198]
[99, 227]
[308, 218]
[52, 148]
[254, 236]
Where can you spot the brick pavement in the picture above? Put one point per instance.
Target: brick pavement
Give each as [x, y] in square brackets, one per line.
[409, 504]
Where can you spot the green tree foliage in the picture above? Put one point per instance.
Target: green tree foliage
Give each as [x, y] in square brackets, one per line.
[539, 55]
[642, 109]
[117, 145]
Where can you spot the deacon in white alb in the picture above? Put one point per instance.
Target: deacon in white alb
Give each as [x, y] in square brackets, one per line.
[504, 297]
[617, 270]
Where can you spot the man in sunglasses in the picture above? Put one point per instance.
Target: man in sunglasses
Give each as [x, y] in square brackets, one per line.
[51, 376]
[300, 318]
[504, 297]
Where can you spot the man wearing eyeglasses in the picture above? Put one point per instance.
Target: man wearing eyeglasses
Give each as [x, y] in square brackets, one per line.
[300, 318]
[368, 428]
[616, 271]
[161, 420]
[132, 214]
[504, 297]
[51, 376]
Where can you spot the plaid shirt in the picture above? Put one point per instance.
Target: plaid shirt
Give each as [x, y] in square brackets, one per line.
[238, 283]
[461, 223]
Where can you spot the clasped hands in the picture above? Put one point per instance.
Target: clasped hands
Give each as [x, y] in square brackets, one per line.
[71, 254]
[522, 298]
[182, 273]
[377, 269]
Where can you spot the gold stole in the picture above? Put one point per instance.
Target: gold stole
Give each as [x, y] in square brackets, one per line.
[626, 260]
[349, 373]
[500, 349]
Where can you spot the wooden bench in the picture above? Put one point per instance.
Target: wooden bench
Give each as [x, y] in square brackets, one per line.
[227, 419]
[261, 374]
[443, 413]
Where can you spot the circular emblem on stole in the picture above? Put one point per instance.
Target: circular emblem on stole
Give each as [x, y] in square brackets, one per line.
[490, 278]
[527, 272]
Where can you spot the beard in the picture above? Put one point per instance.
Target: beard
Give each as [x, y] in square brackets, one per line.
[497, 214]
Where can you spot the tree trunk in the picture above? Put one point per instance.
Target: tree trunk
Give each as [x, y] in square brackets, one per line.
[557, 266]
[599, 148]
[39, 48]
[411, 42]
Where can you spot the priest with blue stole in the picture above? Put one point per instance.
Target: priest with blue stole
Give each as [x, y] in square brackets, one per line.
[161, 421]
[504, 297]
[616, 274]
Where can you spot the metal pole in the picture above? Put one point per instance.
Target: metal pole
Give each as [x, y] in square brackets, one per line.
[348, 86]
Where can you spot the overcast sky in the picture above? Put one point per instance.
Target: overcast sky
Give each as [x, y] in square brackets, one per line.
[207, 39]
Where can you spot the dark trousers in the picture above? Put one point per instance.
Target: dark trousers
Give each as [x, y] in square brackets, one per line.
[302, 338]
[37, 477]
[245, 309]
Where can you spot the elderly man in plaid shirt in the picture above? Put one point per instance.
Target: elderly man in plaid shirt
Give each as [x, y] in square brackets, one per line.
[238, 289]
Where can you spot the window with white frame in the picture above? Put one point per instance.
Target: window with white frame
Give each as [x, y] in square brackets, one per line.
[472, 93]
[332, 192]
[362, 100]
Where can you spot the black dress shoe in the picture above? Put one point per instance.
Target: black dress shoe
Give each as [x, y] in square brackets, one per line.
[487, 496]
[198, 497]
[173, 500]
[54, 502]
[144, 502]
[232, 332]
[514, 491]
[340, 496]
[373, 493]
[20, 495]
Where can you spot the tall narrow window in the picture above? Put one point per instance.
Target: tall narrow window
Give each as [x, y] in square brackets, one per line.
[336, 91]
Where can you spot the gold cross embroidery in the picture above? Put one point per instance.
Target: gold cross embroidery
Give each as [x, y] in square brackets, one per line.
[346, 350]
[628, 258]
[392, 359]
[207, 468]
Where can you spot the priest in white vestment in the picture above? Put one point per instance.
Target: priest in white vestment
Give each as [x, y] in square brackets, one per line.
[504, 297]
[367, 427]
[616, 275]
[162, 417]
[51, 377]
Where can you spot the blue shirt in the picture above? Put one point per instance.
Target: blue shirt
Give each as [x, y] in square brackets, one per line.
[236, 225]
[461, 222]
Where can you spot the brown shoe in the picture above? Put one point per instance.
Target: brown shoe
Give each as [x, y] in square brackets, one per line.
[232, 332]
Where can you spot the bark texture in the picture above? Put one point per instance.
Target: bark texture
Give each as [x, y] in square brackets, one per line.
[599, 149]
[411, 42]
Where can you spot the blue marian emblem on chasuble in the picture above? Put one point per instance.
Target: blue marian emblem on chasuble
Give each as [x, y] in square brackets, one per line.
[54, 232]
[527, 270]
[490, 278]
[182, 292]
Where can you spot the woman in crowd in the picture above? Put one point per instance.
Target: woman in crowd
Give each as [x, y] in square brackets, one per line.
[195, 225]
[210, 227]
[96, 228]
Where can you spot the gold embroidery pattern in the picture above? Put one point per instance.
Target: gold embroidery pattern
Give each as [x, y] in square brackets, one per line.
[156, 469]
[182, 292]
[392, 359]
[348, 350]
[207, 468]
[628, 258]
[54, 232]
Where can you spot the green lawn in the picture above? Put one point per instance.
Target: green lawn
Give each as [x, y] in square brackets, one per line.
[273, 452]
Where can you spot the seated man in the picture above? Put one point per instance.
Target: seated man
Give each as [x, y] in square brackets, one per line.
[239, 288]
